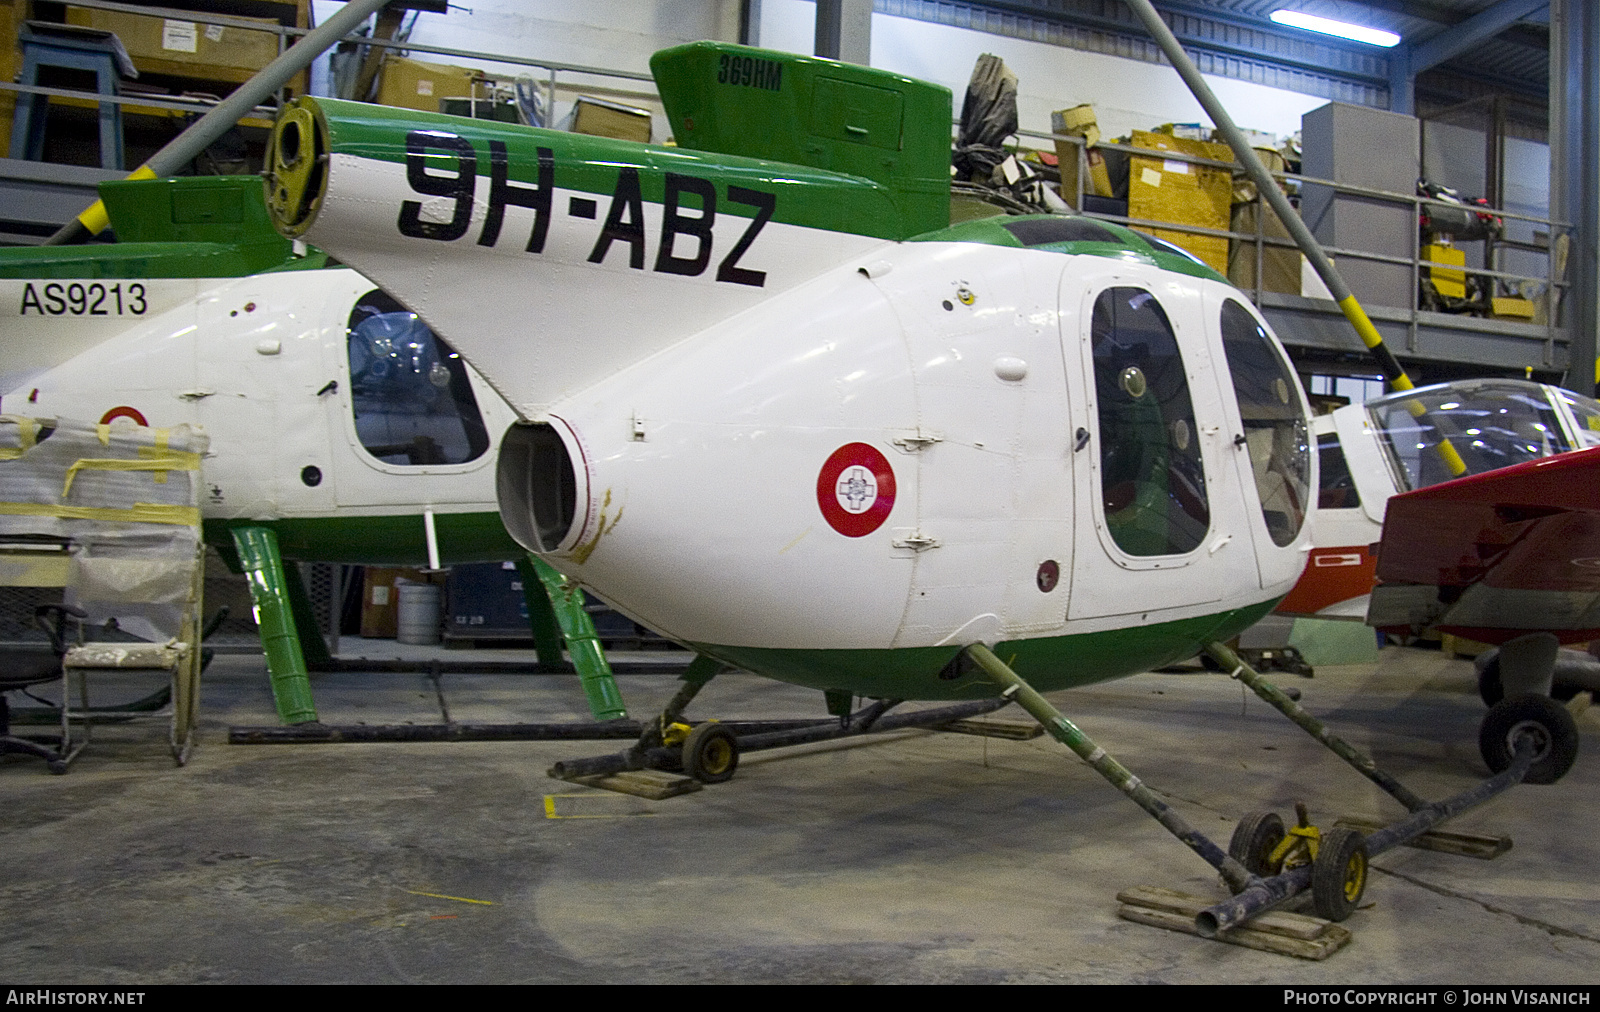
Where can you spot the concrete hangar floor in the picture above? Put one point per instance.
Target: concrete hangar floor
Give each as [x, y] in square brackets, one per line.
[914, 857]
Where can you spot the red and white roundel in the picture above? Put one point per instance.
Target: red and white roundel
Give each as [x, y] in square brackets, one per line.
[855, 490]
[123, 411]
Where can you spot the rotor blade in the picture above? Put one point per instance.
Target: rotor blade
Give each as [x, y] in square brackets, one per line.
[199, 135]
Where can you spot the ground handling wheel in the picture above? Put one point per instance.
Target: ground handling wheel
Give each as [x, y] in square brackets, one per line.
[1254, 839]
[1540, 720]
[1339, 873]
[710, 754]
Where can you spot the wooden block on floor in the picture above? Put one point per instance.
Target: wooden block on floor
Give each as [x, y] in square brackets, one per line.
[1333, 938]
[1274, 931]
[1478, 845]
[1277, 922]
[656, 785]
[1011, 730]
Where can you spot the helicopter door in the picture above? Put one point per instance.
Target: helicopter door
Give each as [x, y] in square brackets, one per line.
[1147, 536]
[992, 500]
[1276, 462]
[257, 368]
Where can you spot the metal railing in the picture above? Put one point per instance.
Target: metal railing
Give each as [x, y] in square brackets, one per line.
[287, 34]
[1555, 230]
[1259, 239]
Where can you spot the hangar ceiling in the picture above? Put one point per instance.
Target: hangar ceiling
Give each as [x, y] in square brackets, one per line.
[1457, 50]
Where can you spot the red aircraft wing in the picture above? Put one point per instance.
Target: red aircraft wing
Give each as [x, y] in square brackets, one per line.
[1496, 555]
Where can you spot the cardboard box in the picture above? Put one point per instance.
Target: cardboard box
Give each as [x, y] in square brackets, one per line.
[1244, 188]
[1448, 282]
[599, 118]
[12, 14]
[1079, 121]
[413, 84]
[1280, 266]
[1163, 189]
[380, 603]
[186, 48]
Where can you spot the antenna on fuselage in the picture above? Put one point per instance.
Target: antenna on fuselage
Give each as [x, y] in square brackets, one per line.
[1268, 186]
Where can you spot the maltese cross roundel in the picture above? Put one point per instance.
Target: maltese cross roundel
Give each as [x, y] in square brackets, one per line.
[855, 490]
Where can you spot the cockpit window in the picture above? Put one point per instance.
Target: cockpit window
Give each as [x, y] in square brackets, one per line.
[412, 401]
[1275, 429]
[1152, 480]
[1490, 425]
[1586, 411]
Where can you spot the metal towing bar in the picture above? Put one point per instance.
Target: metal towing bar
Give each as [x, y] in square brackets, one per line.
[1253, 894]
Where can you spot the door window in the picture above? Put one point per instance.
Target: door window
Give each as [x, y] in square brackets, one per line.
[409, 391]
[1152, 480]
[1275, 429]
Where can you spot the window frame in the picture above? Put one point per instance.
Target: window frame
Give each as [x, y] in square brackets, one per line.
[1095, 485]
[347, 402]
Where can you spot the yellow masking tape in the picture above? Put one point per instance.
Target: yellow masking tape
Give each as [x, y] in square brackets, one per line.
[27, 432]
[140, 513]
[95, 218]
[158, 460]
[160, 451]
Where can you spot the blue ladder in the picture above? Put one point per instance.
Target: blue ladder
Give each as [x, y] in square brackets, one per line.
[95, 54]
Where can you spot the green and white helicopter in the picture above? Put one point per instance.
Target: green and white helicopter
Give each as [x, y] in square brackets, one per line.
[763, 365]
[341, 429]
[772, 403]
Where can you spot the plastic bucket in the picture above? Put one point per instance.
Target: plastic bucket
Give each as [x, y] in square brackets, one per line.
[419, 612]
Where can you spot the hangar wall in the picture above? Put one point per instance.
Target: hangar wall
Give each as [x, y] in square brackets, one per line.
[1126, 94]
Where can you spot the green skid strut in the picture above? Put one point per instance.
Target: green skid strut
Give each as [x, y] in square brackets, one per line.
[583, 643]
[272, 595]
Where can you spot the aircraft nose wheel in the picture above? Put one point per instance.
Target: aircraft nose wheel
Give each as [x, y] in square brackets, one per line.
[1339, 873]
[710, 754]
[1541, 722]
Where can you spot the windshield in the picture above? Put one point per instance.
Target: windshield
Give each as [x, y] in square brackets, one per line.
[1586, 411]
[1491, 424]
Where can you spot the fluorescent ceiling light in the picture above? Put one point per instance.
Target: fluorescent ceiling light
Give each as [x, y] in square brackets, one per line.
[1327, 26]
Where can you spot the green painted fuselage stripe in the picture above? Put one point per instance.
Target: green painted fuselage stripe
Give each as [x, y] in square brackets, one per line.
[153, 260]
[1048, 663]
[377, 541]
[1129, 245]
